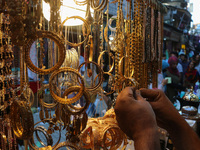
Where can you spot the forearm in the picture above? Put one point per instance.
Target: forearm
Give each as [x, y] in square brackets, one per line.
[183, 136]
[148, 140]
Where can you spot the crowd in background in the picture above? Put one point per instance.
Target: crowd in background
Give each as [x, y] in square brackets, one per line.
[180, 72]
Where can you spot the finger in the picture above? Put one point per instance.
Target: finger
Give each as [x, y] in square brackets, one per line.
[125, 97]
[149, 93]
[138, 95]
[128, 91]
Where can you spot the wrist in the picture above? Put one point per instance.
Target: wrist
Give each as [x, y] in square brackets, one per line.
[148, 140]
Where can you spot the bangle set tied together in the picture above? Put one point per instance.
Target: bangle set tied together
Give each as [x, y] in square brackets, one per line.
[52, 125]
[104, 132]
[22, 119]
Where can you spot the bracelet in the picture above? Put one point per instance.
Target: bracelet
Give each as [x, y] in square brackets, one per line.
[111, 55]
[81, 3]
[22, 119]
[110, 23]
[66, 100]
[108, 138]
[100, 73]
[85, 35]
[120, 68]
[47, 136]
[112, 84]
[76, 110]
[124, 82]
[44, 34]
[100, 7]
[51, 122]
[44, 104]
[44, 131]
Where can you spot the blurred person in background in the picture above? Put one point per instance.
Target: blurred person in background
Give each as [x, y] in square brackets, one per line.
[191, 75]
[175, 77]
[179, 66]
[165, 65]
[184, 62]
[197, 60]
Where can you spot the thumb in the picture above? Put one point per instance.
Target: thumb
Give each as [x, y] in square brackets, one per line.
[150, 93]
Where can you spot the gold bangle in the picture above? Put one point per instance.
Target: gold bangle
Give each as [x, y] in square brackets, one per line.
[78, 110]
[111, 137]
[22, 119]
[66, 100]
[112, 87]
[85, 24]
[100, 73]
[81, 3]
[120, 68]
[52, 105]
[51, 122]
[124, 82]
[44, 34]
[111, 55]
[100, 7]
[110, 23]
[47, 136]
[116, 135]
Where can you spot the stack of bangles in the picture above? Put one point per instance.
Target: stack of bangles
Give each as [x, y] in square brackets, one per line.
[43, 130]
[100, 75]
[49, 141]
[104, 132]
[22, 119]
[67, 100]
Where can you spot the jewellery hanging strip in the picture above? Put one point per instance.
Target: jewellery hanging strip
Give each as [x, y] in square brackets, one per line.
[8, 141]
[101, 38]
[141, 45]
[132, 37]
[162, 36]
[54, 15]
[156, 35]
[128, 37]
[117, 52]
[144, 58]
[134, 41]
[137, 40]
[159, 41]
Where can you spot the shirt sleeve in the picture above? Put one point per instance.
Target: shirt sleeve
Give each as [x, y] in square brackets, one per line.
[179, 67]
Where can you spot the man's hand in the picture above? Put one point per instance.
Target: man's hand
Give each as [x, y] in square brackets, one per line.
[183, 136]
[137, 119]
[165, 111]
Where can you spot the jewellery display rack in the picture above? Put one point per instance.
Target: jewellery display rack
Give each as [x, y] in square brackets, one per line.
[75, 70]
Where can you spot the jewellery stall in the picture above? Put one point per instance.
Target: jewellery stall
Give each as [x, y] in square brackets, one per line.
[128, 54]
